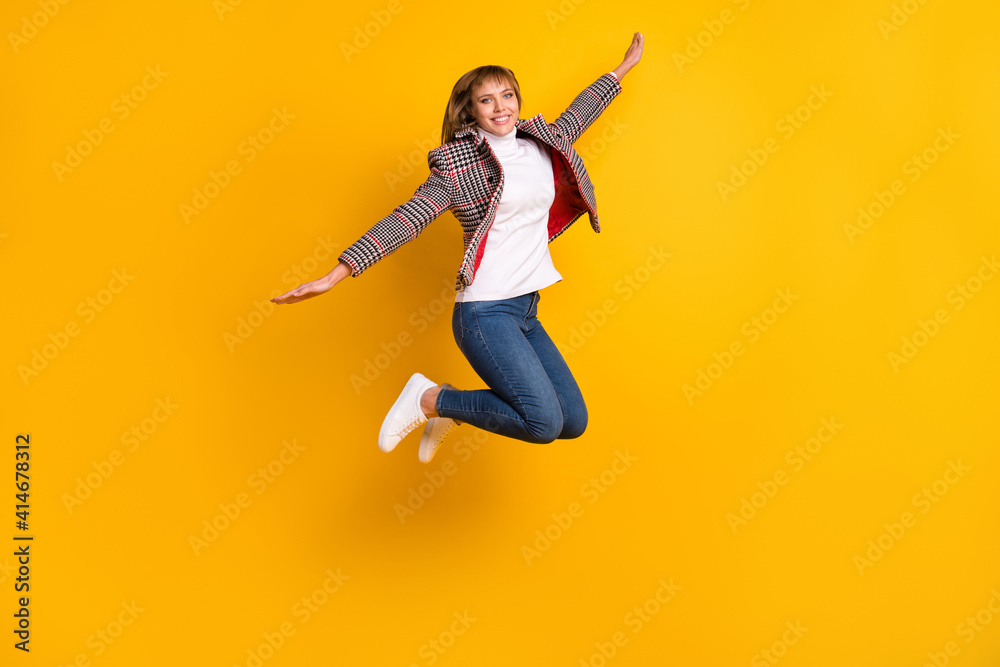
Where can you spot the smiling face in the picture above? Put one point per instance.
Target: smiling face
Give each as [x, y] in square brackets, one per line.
[494, 106]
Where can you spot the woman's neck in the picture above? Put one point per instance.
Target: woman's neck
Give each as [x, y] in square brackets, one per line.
[501, 144]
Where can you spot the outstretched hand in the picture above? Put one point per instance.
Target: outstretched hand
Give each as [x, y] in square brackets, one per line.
[305, 291]
[315, 287]
[632, 55]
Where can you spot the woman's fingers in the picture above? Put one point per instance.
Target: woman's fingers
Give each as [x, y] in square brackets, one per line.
[304, 291]
[635, 48]
[291, 296]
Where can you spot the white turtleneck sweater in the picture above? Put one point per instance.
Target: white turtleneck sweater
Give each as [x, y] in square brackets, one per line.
[516, 257]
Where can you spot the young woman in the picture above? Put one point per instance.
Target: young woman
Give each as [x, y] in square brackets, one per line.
[515, 185]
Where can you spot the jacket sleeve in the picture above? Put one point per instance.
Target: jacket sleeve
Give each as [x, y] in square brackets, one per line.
[406, 221]
[587, 106]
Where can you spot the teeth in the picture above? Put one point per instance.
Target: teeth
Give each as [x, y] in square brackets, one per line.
[500, 118]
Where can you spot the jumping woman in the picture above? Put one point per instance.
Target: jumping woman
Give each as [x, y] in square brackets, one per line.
[514, 185]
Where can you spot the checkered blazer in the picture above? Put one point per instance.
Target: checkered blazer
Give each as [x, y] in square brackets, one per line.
[466, 178]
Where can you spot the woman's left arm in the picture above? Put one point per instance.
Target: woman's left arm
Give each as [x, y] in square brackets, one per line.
[592, 102]
[632, 56]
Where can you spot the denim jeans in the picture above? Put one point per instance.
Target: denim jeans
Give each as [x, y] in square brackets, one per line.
[532, 395]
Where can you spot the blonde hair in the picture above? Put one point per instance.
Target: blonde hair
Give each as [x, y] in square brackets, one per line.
[458, 113]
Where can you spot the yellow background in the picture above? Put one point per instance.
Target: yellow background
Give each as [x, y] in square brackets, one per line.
[656, 157]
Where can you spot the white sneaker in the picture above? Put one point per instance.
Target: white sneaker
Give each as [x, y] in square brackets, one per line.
[435, 432]
[405, 414]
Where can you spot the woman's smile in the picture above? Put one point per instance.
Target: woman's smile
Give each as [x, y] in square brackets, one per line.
[495, 107]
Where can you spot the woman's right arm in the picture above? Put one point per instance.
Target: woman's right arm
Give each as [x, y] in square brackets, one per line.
[315, 287]
[404, 224]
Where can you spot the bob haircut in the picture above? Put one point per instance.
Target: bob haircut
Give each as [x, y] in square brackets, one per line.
[458, 113]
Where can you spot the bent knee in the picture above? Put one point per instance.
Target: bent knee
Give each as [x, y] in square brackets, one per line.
[575, 421]
[574, 430]
[545, 429]
[575, 425]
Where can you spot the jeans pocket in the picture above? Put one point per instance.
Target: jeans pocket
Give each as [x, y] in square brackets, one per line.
[470, 317]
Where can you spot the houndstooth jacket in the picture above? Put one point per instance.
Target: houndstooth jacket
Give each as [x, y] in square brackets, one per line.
[466, 178]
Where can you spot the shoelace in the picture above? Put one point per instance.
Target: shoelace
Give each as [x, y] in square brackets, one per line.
[412, 424]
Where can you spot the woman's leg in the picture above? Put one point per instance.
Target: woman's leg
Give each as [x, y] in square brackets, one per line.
[521, 402]
[570, 398]
[574, 410]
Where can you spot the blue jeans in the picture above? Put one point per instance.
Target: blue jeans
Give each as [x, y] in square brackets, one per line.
[532, 395]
